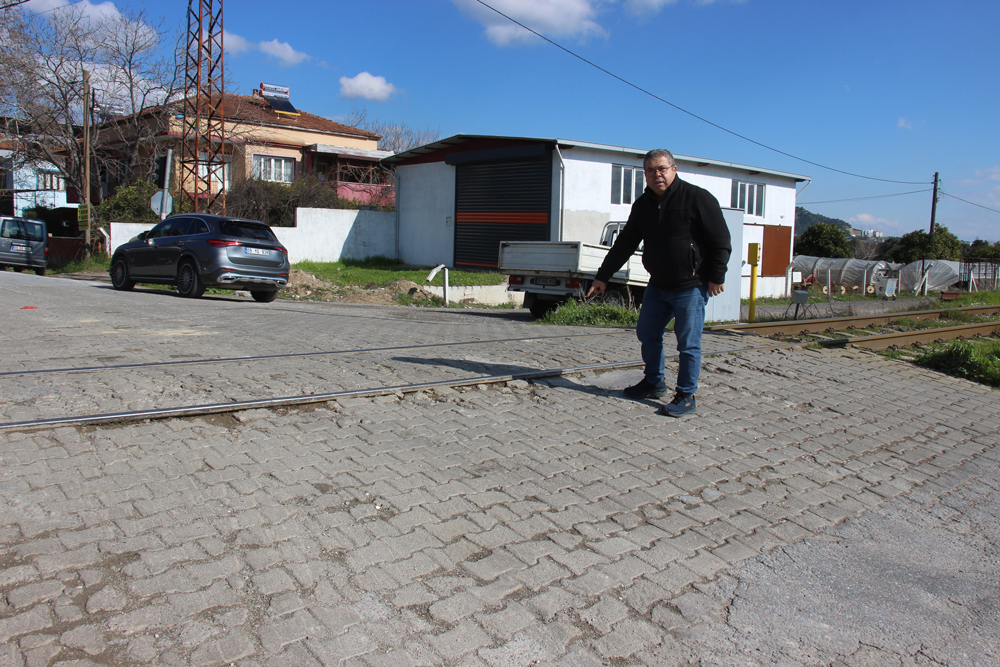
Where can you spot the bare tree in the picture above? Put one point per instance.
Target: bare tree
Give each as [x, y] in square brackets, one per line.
[396, 137]
[42, 60]
[868, 248]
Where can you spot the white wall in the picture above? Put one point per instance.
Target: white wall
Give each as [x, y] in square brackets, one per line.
[328, 235]
[321, 234]
[588, 204]
[425, 203]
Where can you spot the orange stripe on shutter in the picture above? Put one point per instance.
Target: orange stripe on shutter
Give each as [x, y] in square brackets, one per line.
[515, 217]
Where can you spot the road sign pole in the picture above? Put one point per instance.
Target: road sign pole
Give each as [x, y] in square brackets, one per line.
[166, 184]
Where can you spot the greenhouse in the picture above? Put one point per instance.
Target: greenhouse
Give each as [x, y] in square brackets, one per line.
[941, 274]
[852, 275]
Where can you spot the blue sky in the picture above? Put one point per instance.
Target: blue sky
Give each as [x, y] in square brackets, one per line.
[890, 89]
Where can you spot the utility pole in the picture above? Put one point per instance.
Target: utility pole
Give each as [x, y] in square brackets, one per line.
[86, 155]
[934, 201]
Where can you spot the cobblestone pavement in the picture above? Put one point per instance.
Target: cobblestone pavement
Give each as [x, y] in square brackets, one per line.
[90, 324]
[551, 523]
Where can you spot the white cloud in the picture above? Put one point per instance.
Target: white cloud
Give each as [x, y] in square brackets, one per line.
[561, 18]
[87, 8]
[905, 124]
[283, 52]
[236, 45]
[374, 88]
[647, 6]
[991, 174]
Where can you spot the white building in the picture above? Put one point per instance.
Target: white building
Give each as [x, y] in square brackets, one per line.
[26, 185]
[457, 198]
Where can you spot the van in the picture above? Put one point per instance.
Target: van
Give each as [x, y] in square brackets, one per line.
[23, 244]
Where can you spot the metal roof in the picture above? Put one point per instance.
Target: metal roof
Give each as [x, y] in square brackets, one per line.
[459, 139]
[348, 152]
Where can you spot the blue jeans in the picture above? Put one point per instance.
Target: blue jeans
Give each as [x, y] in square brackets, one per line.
[687, 308]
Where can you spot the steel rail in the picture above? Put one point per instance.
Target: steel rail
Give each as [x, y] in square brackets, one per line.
[294, 355]
[820, 325]
[874, 342]
[306, 399]
[884, 341]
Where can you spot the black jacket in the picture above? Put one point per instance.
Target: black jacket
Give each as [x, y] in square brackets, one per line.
[686, 240]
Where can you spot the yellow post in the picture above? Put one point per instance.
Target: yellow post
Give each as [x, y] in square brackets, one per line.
[753, 257]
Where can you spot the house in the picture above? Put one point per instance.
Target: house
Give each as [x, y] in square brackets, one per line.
[457, 198]
[25, 184]
[263, 139]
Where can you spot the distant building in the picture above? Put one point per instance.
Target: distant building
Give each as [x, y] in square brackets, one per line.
[871, 234]
[27, 184]
[458, 198]
[268, 143]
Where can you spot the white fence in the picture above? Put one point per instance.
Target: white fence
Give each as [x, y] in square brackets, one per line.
[320, 234]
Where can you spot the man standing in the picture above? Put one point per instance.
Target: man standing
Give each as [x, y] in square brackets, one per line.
[686, 251]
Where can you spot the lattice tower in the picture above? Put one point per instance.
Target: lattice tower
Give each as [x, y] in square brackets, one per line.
[203, 148]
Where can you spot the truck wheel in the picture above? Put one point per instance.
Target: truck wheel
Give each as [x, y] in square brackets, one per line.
[540, 307]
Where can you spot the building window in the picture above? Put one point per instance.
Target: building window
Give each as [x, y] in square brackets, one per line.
[277, 169]
[749, 197]
[627, 183]
[51, 180]
[221, 172]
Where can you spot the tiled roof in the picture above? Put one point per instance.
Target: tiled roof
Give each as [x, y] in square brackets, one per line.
[256, 110]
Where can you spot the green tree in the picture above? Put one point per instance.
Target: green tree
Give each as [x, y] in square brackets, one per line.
[980, 249]
[918, 245]
[823, 240]
[129, 204]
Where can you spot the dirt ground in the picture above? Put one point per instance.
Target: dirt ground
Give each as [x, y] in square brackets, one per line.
[302, 285]
[305, 286]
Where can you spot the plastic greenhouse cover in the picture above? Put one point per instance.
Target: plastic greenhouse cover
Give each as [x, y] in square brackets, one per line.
[847, 272]
[941, 274]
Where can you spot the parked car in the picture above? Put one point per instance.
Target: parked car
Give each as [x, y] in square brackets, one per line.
[23, 244]
[197, 250]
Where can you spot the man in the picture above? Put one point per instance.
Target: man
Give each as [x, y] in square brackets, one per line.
[686, 250]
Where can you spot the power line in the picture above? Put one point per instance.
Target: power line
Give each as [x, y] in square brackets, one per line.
[689, 113]
[832, 201]
[970, 202]
[9, 5]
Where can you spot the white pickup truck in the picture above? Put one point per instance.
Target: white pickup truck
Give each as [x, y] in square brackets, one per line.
[552, 272]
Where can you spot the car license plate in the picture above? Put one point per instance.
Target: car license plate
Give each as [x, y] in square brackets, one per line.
[546, 281]
[257, 251]
[18, 248]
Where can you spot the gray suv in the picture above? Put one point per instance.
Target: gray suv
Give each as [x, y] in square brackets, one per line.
[198, 250]
[23, 244]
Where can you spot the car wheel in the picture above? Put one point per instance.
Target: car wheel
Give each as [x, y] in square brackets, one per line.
[119, 275]
[264, 295]
[188, 283]
[39, 272]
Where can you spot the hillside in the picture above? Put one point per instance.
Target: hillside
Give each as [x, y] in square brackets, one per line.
[805, 219]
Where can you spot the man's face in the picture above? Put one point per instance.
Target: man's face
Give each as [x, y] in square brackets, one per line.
[659, 175]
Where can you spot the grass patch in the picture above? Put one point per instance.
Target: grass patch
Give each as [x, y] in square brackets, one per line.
[92, 263]
[574, 313]
[979, 362]
[975, 299]
[381, 272]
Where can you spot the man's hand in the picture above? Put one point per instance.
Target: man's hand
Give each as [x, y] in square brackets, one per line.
[597, 287]
[715, 289]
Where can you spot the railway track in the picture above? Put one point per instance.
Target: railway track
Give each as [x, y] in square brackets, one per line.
[819, 325]
[822, 332]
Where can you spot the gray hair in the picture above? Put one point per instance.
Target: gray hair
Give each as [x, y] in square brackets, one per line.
[659, 152]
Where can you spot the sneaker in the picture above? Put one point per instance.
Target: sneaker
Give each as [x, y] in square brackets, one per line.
[682, 405]
[645, 389]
